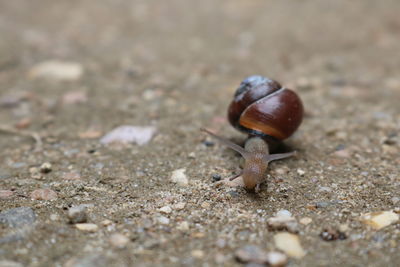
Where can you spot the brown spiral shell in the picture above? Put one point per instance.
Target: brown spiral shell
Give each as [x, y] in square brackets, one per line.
[262, 107]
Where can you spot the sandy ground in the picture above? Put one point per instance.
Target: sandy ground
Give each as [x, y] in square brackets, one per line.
[174, 65]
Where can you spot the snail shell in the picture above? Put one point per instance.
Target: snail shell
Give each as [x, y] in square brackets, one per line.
[262, 107]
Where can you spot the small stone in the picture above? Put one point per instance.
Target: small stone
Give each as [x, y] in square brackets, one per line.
[275, 258]
[380, 219]
[198, 254]
[43, 194]
[54, 217]
[18, 217]
[183, 226]
[45, 167]
[331, 234]
[300, 172]
[166, 209]
[87, 227]
[163, 220]
[282, 171]
[140, 135]
[180, 206]
[251, 254]
[305, 220]
[58, 70]
[179, 177]
[4, 194]
[216, 177]
[90, 134]
[192, 155]
[289, 244]
[106, 222]
[283, 213]
[118, 240]
[208, 143]
[283, 221]
[77, 214]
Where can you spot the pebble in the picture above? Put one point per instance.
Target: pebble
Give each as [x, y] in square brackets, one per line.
[58, 70]
[199, 254]
[46, 167]
[300, 172]
[183, 226]
[305, 220]
[4, 194]
[87, 227]
[106, 222]
[331, 234]
[289, 244]
[380, 219]
[216, 177]
[180, 205]
[283, 221]
[118, 240]
[18, 217]
[251, 254]
[166, 209]
[275, 258]
[43, 194]
[179, 177]
[163, 220]
[77, 214]
[140, 135]
[283, 213]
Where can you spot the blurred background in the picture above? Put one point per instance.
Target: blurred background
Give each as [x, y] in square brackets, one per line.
[71, 71]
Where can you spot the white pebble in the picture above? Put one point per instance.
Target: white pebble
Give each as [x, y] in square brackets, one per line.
[283, 213]
[305, 220]
[118, 240]
[163, 220]
[179, 177]
[275, 258]
[165, 209]
[58, 70]
[140, 135]
[199, 254]
[300, 172]
[290, 244]
[380, 219]
[183, 226]
[87, 227]
[180, 206]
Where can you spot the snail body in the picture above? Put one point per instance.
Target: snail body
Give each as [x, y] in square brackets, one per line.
[268, 113]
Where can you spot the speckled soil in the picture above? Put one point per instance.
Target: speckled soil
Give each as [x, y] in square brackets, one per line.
[175, 65]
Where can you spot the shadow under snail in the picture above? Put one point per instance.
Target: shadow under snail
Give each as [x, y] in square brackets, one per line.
[268, 113]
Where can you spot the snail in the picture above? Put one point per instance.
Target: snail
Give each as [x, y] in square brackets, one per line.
[268, 113]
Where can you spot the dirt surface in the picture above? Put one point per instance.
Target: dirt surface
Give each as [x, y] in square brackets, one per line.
[175, 65]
